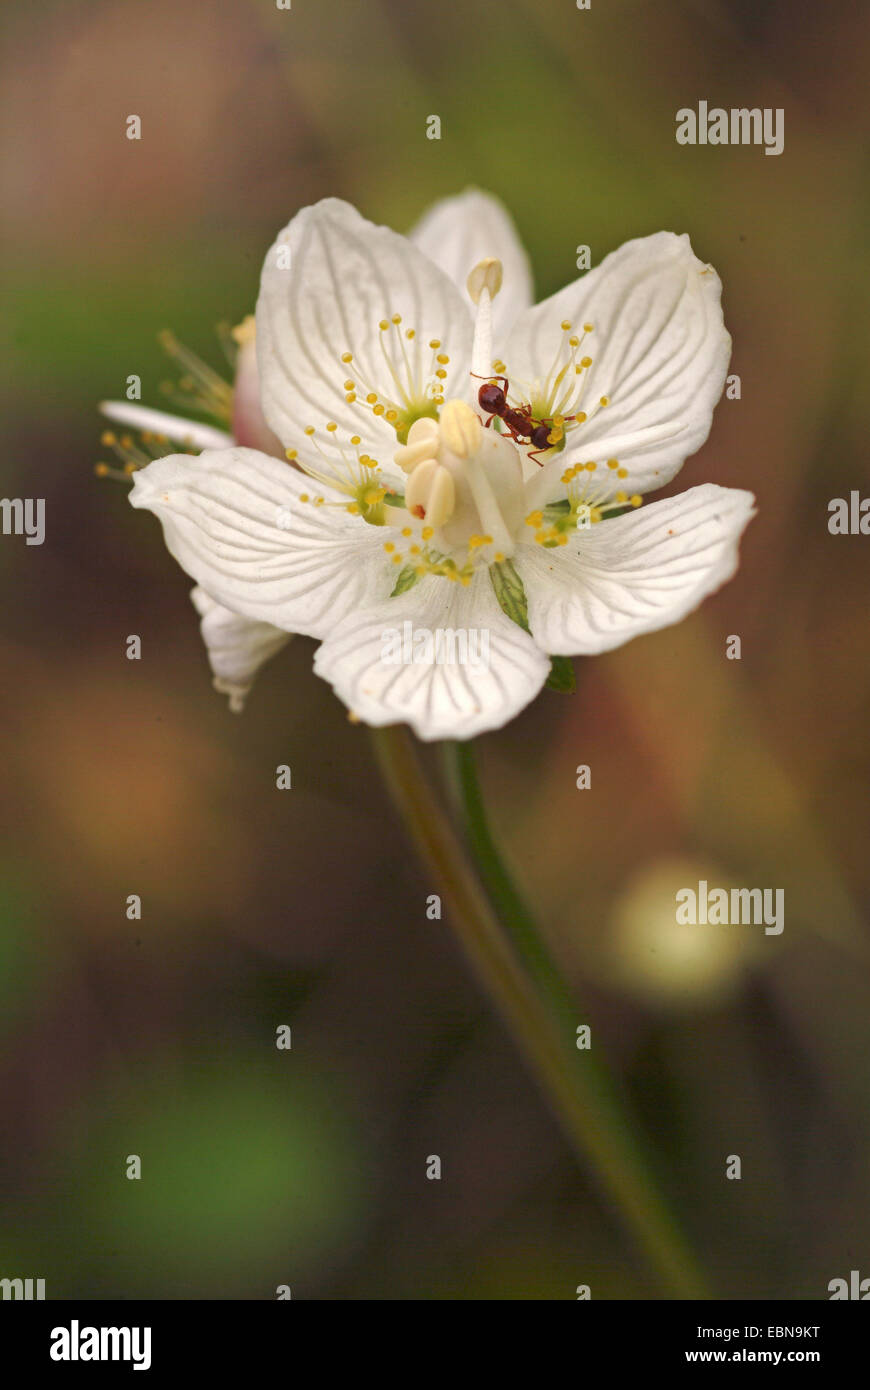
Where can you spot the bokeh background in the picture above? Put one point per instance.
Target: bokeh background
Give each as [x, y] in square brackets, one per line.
[307, 1167]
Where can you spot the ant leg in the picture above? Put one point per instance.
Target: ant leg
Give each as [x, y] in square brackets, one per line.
[492, 377]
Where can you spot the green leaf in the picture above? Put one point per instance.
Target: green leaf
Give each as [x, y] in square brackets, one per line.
[510, 593]
[561, 675]
[407, 579]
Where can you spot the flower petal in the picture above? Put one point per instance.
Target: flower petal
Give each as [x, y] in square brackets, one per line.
[659, 352]
[237, 647]
[457, 233]
[636, 573]
[342, 278]
[175, 427]
[235, 521]
[502, 671]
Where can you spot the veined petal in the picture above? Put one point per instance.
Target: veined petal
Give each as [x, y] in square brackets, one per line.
[235, 521]
[659, 355]
[458, 233]
[175, 427]
[502, 671]
[328, 282]
[634, 574]
[237, 647]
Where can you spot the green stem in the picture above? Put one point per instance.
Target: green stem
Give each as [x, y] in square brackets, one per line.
[576, 1086]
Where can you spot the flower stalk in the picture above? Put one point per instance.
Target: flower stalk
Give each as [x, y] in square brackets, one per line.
[526, 987]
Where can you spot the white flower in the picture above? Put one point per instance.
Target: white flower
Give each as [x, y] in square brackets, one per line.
[384, 362]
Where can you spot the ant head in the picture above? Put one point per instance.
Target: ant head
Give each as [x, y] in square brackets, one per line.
[492, 399]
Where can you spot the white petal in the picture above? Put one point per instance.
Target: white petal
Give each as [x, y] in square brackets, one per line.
[237, 647]
[345, 276]
[659, 352]
[175, 427]
[438, 699]
[634, 574]
[234, 521]
[458, 233]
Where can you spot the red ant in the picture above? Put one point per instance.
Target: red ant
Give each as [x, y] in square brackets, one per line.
[519, 419]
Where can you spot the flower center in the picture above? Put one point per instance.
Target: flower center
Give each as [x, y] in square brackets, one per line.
[463, 481]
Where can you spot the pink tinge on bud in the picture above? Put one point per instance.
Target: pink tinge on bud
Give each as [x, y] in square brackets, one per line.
[249, 424]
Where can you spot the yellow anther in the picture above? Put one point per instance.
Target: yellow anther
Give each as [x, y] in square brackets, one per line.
[383, 325]
[565, 326]
[389, 547]
[303, 497]
[585, 361]
[406, 531]
[613, 463]
[291, 454]
[309, 429]
[588, 328]
[332, 427]
[244, 332]
[347, 357]
[636, 500]
[605, 400]
[427, 533]
[486, 275]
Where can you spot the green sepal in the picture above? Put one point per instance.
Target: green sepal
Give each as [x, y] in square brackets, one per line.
[510, 593]
[561, 675]
[407, 579]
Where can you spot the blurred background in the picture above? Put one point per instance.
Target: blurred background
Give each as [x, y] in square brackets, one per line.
[260, 908]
